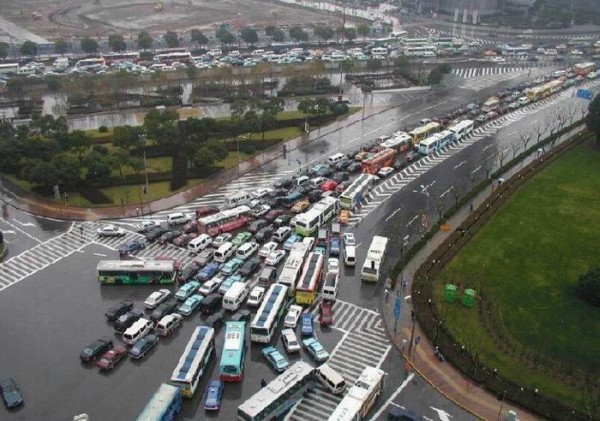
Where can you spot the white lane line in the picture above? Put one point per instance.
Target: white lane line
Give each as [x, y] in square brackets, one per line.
[393, 213]
[20, 230]
[394, 395]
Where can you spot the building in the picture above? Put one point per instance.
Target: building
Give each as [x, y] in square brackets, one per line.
[469, 11]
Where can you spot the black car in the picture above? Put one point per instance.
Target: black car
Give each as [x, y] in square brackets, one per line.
[130, 247]
[274, 202]
[211, 304]
[154, 233]
[242, 315]
[353, 167]
[257, 225]
[285, 183]
[95, 349]
[250, 267]
[340, 176]
[162, 310]
[342, 165]
[127, 319]
[263, 234]
[283, 219]
[314, 195]
[400, 164]
[215, 321]
[11, 395]
[114, 313]
[169, 236]
[324, 172]
[187, 272]
[141, 347]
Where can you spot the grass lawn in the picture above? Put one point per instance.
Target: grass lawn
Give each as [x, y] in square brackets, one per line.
[528, 258]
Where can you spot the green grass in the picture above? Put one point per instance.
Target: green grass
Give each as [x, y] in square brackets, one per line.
[527, 259]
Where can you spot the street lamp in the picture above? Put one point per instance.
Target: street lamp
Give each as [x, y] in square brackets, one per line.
[142, 138]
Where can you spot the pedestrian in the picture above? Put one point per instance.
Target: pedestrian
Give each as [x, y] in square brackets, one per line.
[263, 383]
[137, 211]
[81, 229]
[471, 207]
[387, 293]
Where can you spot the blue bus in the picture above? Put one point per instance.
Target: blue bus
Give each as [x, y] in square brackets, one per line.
[231, 366]
[164, 405]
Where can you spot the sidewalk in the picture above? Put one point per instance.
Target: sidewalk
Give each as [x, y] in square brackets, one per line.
[443, 376]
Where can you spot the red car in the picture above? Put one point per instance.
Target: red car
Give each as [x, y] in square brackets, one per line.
[329, 185]
[190, 227]
[184, 239]
[273, 214]
[205, 211]
[110, 358]
[326, 313]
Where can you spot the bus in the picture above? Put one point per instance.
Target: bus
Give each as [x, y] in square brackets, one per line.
[133, 57]
[356, 191]
[371, 268]
[400, 142]
[374, 163]
[267, 317]
[164, 405]
[283, 392]
[9, 68]
[583, 69]
[231, 366]
[90, 64]
[293, 267]
[462, 128]
[130, 272]
[224, 221]
[436, 142]
[415, 42]
[420, 51]
[194, 361]
[180, 56]
[424, 131]
[307, 287]
[310, 221]
[361, 396]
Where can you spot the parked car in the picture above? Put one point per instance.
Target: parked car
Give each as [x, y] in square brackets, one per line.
[168, 237]
[110, 231]
[114, 313]
[94, 349]
[241, 238]
[274, 258]
[187, 290]
[206, 256]
[131, 246]
[156, 298]
[289, 341]
[205, 211]
[155, 233]
[292, 316]
[231, 266]
[325, 313]
[143, 346]
[306, 324]
[190, 304]
[250, 267]
[213, 395]
[315, 350]
[207, 272]
[242, 315]
[256, 296]
[275, 359]
[11, 395]
[126, 320]
[110, 358]
[163, 309]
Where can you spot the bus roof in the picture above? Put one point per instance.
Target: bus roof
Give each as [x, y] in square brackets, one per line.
[425, 128]
[358, 184]
[155, 408]
[265, 315]
[378, 245]
[233, 343]
[317, 209]
[136, 265]
[379, 155]
[199, 343]
[310, 266]
[461, 125]
[357, 394]
[228, 213]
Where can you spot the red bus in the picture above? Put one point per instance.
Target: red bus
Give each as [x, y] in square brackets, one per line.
[225, 221]
[374, 163]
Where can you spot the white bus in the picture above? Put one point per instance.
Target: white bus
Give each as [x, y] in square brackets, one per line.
[371, 268]
[379, 51]
[267, 317]
[361, 396]
[357, 191]
[181, 56]
[436, 142]
[9, 68]
[194, 360]
[275, 399]
[415, 42]
[91, 64]
[462, 128]
[293, 267]
[400, 141]
[310, 221]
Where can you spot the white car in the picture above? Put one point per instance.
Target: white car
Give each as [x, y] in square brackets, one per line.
[333, 265]
[262, 192]
[267, 248]
[156, 298]
[221, 239]
[209, 287]
[309, 241]
[111, 231]
[256, 296]
[261, 210]
[385, 171]
[292, 316]
[146, 225]
[275, 257]
[177, 218]
[290, 341]
[349, 239]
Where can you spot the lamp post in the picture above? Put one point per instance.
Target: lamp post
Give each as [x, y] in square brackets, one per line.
[142, 139]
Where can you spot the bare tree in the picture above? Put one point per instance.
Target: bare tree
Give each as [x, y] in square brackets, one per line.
[540, 129]
[515, 148]
[571, 112]
[582, 109]
[525, 139]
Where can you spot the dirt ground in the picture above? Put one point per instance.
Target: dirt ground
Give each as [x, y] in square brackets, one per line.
[74, 18]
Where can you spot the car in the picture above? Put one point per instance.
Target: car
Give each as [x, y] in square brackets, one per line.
[178, 218]
[324, 172]
[385, 172]
[221, 239]
[260, 210]
[143, 346]
[250, 267]
[274, 258]
[110, 231]
[349, 239]
[215, 320]
[361, 155]
[131, 246]
[325, 313]
[334, 246]
[207, 272]
[306, 324]
[231, 266]
[317, 181]
[283, 219]
[291, 240]
[146, 226]
[267, 249]
[184, 239]
[256, 296]
[205, 211]
[514, 105]
[400, 164]
[242, 315]
[314, 195]
[110, 358]
[397, 413]
[126, 320]
[290, 341]
[209, 287]
[190, 227]
[213, 395]
[257, 225]
[329, 185]
[162, 310]
[11, 395]
[261, 192]
[168, 237]
[230, 280]
[309, 241]
[273, 214]
[315, 349]
[344, 216]
[264, 234]
[206, 256]
[190, 304]
[317, 167]
[94, 349]
[156, 298]
[292, 316]
[342, 165]
[282, 233]
[300, 206]
[155, 233]
[353, 167]
[241, 238]
[284, 183]
[187, 272]
[481, 118]
[333, 265]
[114, 313]
[187, 290]
[491, 115]
[340, 176]
[275, 359]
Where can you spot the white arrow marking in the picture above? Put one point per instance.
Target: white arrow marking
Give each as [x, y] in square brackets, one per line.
[443, 415]
[25, 224]
[396, 393]
[8, 232]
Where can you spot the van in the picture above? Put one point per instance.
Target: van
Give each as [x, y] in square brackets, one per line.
[199, 243]
[330, 286]
[168, 324]
[224, 252]
[177, 218]
[350, 255]
[237, 199]
[281, 234]
[336, 230]
[336, 158]
[267, 277]
[322, 238]
[246, 250]
[302, 180]
[210, 304]
[137, 330]
[235, 296]
[331, 379]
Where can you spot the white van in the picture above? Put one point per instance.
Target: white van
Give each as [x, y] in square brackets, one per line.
[330, 286]
[246, 250]
[235, 296]
[301, 180]
[331, 379]
[168, 324]
[199, 243]
[177, 218]
[237, 199]
[224, 252]
[350, 255]
[336, 158]
[137, 330]
[281, 234]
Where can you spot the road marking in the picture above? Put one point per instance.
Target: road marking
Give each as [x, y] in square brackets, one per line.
[20, 230]
[396, 393]
[100, 254]
[460, 164]
[444, 416]
[392, 215]
[9, 232]
[447, 191]
[412, 220]
[487, 147]
[24, 224]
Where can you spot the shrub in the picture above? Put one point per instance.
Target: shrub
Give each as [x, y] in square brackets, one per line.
[103, 129]
[589, 286]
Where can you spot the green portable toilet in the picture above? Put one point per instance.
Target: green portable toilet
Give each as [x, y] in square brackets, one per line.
[450, 293]
[469, 297]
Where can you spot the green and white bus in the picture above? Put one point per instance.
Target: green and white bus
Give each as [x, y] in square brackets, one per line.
[357, 191]
[128, 272]
[308, 222]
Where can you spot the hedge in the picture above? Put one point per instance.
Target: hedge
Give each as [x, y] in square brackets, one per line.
[95, 196]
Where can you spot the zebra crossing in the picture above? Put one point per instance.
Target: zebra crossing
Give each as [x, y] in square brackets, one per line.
[473, 72]
[478, 78]
[364, 344]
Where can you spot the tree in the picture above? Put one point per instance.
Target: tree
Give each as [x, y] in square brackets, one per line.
[435, 77]
[118, 160]
[374, 65]
[79, 142]
[308, 106]
[126, 137]
[349, 33]
[11, 152]
[249, 35]
[445, 68]
[89, 45]
[191, 71]
[363, 30]
[29, 48]
[117, 42]
[98, 166]
[171, 39]
[54, 83]
[198, 37]
[270, 30]
[593, 117]
[4, 49]
[144, 40]
[589, 286]
[324, 33]
[298, 34]
[203, 159]
[278, 35]
[225, 36]
[15, 87]
[60, 46]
